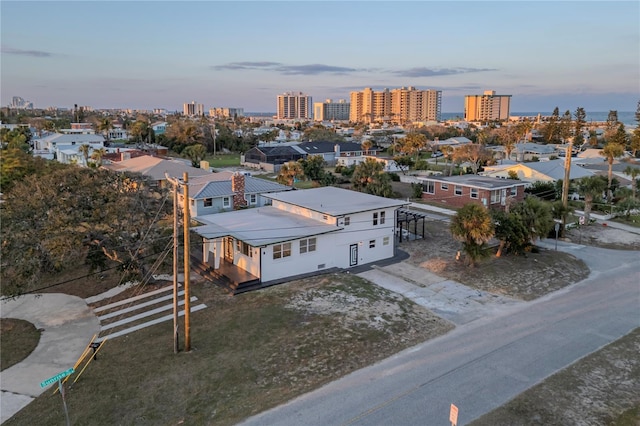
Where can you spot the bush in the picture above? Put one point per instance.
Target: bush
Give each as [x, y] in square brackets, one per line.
[394, 177]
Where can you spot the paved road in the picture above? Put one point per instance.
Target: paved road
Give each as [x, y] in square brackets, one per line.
[483, 364]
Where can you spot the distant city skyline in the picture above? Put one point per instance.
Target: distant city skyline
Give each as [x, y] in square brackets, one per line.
[146, 55]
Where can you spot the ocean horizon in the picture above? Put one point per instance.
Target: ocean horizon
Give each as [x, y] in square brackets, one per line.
[628, 118]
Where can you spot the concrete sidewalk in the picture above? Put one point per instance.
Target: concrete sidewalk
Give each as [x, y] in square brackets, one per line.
[67, 325]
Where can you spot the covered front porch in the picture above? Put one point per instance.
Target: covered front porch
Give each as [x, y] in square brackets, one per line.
[222, 262]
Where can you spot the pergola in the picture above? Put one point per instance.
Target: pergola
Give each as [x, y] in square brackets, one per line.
[405, 217]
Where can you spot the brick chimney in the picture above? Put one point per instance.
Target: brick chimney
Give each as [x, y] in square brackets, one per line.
[237, 186]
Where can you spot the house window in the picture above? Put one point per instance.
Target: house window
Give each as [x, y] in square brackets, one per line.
[372, 243]
[495, 197]
[307, 245]
[429, 187]
[347, 220]
[253, 199]
[193, 202]
[514, 191]
[281, 250]
[385, 241]
[457, 190]
[382, 218]
[243, 248]
[375, 218]
[208, 202]
[444, 186]
[473, 193]
[226, 202]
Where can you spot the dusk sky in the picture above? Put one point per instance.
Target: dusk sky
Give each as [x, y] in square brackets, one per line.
[161, 54]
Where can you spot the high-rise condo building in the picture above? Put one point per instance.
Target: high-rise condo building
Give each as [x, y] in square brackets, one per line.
[293, 106]
[193, 109]
[329, 110]
[486, 107]
[409, 105]
[406, 104]
[226, 112]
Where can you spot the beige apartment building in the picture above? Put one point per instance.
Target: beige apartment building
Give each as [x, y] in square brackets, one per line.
[193, 109]
[403, 105]
[293, 105]
[487, 107]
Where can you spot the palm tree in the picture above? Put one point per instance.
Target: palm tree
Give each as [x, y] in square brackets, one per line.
[414, 143]
[633, 172]
[369, 177]
[473, 226]
[289, 172]
[195, 153]
[97, 155]
[611, 151]
[104, 126]
[84, 150]
[590, 187]
[366, 146]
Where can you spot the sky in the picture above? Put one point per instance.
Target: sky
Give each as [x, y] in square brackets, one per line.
[242, 54]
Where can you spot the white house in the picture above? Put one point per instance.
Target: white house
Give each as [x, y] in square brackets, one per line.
[303, 232]
[388, 164]
[65, 147]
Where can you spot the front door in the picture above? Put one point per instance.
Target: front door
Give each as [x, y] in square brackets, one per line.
[353, 255]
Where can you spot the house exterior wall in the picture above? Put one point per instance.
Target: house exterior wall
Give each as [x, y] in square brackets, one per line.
[492, 198]
[332, 251]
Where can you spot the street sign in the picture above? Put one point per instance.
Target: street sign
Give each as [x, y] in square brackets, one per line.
[57, 377]
[453, 415]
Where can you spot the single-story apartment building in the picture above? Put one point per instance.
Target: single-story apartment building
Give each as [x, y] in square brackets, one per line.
[456, 191]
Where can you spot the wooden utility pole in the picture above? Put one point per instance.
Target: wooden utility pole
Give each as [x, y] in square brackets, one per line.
[176, 344]
[567, 170]
[565, 184]
[187, 265]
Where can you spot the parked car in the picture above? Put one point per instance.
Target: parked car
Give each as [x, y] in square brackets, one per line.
[437, 154]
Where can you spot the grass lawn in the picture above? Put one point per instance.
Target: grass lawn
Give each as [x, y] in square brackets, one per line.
[249, 353]
[224, 160]
[18, 339]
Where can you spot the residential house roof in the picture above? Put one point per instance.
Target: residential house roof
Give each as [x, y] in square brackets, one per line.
[156, 168]
[535, 148]
[323, 147]
[222, 187]
[475, 181]
[279, 149]
[335, 201]
[69, 139]
[261, 226]
[546, 170]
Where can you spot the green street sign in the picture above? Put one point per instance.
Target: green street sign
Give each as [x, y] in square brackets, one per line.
[57, 377]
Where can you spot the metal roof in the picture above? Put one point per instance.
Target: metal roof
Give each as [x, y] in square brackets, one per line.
[335, 201]
[475, 181]
[261, 226]
[252, 185]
